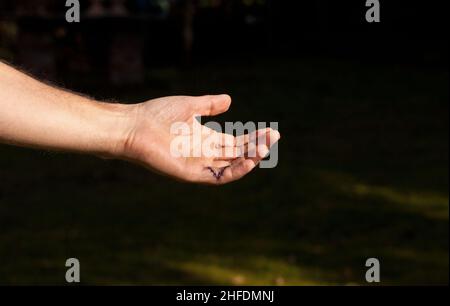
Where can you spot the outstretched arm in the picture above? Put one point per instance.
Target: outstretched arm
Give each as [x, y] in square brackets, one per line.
[33, 114]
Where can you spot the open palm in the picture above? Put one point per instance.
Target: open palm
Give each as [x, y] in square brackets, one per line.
[228, 158]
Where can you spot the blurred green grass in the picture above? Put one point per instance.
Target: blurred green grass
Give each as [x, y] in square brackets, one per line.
[363, 172]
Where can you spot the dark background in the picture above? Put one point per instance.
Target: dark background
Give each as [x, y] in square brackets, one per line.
[363, 168]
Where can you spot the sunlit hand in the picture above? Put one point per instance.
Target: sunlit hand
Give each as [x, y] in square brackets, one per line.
[152, 133]
[33, 114]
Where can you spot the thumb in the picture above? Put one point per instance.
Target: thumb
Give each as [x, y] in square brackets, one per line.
[211, 105]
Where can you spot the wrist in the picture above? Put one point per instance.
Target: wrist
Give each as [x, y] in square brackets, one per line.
[118, 123]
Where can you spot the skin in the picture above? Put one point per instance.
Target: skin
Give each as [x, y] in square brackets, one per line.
[33, 114]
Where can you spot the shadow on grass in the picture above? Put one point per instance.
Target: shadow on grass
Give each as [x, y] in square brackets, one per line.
[144, 230]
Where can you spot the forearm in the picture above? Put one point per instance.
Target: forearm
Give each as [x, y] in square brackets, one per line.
[37, 115]
[33, 114]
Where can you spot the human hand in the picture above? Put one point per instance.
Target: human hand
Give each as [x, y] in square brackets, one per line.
[148, 141]
[36, 115]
